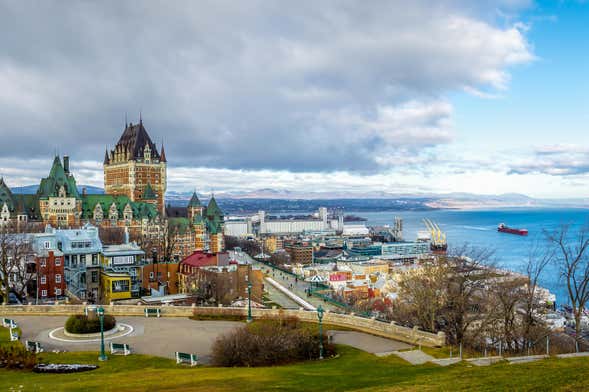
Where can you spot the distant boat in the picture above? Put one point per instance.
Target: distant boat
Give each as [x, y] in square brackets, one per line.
[502, 228]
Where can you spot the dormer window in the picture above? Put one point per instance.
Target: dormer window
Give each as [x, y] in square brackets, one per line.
[112, 212]
[147, 153]
[62, 191]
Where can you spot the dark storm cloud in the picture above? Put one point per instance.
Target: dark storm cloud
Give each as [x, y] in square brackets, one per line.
[302, 86]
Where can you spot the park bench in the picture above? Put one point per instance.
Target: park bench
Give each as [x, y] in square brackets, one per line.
[8, 323]
[120, 348]
[13, 335]
[152, 312]
[90, 308]
[34, 347]
[192, 359]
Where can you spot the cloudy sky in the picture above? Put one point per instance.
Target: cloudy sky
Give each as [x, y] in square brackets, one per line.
[485, 97]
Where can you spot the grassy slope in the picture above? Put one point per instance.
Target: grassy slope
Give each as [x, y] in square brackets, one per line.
[353, 370]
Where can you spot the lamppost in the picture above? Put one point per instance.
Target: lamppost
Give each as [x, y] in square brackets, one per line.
[249, 301]
[320, 317]
[100, 312]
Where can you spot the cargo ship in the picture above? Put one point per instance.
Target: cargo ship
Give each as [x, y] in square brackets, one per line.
[504, 229]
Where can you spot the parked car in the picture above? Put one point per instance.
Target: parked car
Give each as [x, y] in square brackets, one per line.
[13, 299]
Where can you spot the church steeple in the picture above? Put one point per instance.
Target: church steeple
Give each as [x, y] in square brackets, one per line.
[106, 158]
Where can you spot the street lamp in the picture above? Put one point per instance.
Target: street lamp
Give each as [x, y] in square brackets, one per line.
[320, 312]
[249, 301]
[100, 312]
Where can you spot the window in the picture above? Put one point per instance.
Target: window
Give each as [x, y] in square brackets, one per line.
[57, 262]
[94, 259]
[43, 279]
[57, 291]
[151, 275]
[119, 286]
[58, 278]
[82, 259]
[43, 293]
[94, 276]
[43, 263]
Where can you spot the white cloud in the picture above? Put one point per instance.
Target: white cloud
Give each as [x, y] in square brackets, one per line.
[305, 87]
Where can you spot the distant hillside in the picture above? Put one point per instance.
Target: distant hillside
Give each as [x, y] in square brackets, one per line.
[32, 189]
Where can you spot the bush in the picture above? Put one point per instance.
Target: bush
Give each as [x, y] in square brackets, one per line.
[16, 357]
[83, 324]
[268, 342]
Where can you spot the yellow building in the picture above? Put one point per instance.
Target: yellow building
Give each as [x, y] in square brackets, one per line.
[272, 244]
[114, 286]
[370, 268]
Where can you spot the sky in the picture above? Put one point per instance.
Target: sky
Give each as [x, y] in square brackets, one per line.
[485, 97]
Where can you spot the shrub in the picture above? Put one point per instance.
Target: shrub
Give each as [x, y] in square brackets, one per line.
[268, 342]
[16, 357]
[82, 324]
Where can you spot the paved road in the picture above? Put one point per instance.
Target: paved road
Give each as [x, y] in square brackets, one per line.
[153, 336]
[366, 342]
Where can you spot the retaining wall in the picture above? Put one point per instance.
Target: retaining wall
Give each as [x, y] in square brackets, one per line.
[372, 326]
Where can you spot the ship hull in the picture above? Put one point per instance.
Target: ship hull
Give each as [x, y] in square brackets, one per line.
[522, 232]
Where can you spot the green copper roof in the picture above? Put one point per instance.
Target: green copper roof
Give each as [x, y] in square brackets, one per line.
[194, 201]
[6, 195]
[148, 193]
[213, 209]
[180, 224]
[140, 210]
[57, 178]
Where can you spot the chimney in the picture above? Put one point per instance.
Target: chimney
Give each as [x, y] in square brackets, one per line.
[66, 164]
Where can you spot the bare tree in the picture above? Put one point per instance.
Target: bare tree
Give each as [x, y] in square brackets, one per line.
[111, 235]
[163, 243]
[539, 256]
[424, 291]
[465, 307]
[573, 261]
[15, 252]
[506, 293]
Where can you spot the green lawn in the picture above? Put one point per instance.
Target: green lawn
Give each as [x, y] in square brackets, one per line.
[353, 370]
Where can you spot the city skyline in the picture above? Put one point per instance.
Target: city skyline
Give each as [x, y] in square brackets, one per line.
[389, 97]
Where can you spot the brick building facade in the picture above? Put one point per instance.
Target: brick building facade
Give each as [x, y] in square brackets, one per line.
[135, 166]
[51, 282]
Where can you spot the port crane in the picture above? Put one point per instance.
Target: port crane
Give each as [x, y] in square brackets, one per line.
[438, 241]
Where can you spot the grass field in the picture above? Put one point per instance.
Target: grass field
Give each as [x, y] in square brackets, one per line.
[352, 370]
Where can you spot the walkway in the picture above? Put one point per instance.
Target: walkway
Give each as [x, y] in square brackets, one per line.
[296, 286]
[369, 343]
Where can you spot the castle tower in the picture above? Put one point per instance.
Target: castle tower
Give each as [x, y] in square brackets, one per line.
[134, 165]
[215, 222]
[195, 215]
[194, 207]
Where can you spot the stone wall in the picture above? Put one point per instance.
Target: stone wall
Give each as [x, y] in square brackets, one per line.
[371, 326]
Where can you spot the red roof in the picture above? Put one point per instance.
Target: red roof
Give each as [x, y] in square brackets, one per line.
[200, 259]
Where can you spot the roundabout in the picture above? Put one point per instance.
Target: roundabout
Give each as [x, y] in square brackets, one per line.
[151, 336]
[119, 331]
